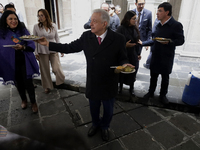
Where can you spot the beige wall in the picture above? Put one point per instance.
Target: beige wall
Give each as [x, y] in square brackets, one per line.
[31, 8]
[123, 5]
[66, 17]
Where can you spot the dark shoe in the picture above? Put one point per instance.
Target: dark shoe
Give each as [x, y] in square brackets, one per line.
[148, 95]
[105, 134]
[164, 100]
[24, 104]
[145, 66]
[61, 86]
[92, 131]
[132, 93]
[34, 108]
[119, 90]
[47, 91]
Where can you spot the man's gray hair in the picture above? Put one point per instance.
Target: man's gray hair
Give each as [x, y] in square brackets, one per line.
[104, 15]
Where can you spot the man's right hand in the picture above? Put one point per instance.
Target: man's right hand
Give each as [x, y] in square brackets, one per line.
[43, 41]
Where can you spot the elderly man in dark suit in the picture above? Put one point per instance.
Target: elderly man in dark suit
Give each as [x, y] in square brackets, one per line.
[144, 21]
[163, 51]
[103, 48]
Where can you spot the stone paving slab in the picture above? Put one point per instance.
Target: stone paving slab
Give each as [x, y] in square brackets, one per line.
[31, 129]
[114, 145]
[196, 139]
[146, 118]
[131, 141]
[19, 116]
[16, 102]
[57, 123]
[82, 115]
[117, 109]
[5, 93]
[165, 112]
[189, 145]
[185, 123]
[166, 134]
[3, 118]
[4, 104]
[76, 101]
[123, 124]
[51, 107]
[126, 106]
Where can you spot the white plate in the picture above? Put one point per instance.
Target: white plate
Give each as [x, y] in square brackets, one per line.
[9, 45]
[162, 41]
[31, 39]
[113, 66]
[128, 72]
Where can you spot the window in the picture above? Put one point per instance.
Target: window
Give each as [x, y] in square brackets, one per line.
[109, 1]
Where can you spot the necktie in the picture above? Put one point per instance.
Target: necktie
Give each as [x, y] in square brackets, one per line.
[138, 21]
[99, 40]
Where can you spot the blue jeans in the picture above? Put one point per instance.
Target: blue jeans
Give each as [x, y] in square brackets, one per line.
[95, 105]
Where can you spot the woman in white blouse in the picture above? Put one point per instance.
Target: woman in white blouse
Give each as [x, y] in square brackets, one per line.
[45, 28]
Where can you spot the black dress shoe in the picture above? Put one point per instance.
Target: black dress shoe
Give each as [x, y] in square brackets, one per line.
[92, 131]
[105, 134]
[148, 95]
[132, 93]
[120, 89]
[164, 100]
[61, 86]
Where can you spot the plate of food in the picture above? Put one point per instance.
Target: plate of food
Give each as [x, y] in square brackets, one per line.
[125, 69]
[9, 45]
[162, 40]
[30, 37]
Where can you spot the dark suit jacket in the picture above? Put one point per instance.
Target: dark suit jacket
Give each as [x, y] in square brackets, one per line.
[145, 25]
[101, 81]
[163, 54]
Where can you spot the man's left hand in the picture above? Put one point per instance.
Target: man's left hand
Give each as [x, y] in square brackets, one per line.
[139, 57]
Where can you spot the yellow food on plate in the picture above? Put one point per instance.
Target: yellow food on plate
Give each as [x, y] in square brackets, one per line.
[29, 37]
[125, 68]
[128, 69]
[120, 68]
[161, 39]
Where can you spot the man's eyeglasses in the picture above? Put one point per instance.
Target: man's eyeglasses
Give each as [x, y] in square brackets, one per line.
[141, 4]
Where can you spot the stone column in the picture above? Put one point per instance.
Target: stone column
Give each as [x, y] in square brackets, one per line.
[189, 17]
[81, 12]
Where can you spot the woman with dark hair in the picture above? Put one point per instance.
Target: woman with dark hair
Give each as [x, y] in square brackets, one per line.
[18, 64]
[45, 28]
[129, 30]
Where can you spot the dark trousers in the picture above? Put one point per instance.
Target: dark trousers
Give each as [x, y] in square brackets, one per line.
[164, 83]
[23, 84]
[95, 105]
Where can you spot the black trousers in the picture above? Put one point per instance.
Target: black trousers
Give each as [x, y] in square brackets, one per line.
[22, 83]
[164, 83]
[108, 106]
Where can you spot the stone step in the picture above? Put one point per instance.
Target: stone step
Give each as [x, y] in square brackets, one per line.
[64, 32]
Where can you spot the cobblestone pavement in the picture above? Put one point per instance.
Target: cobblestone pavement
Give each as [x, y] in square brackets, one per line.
[64, 118]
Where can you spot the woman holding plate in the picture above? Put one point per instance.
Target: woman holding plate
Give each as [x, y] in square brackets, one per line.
[129, 30]
[18, 64]
[45, 28]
